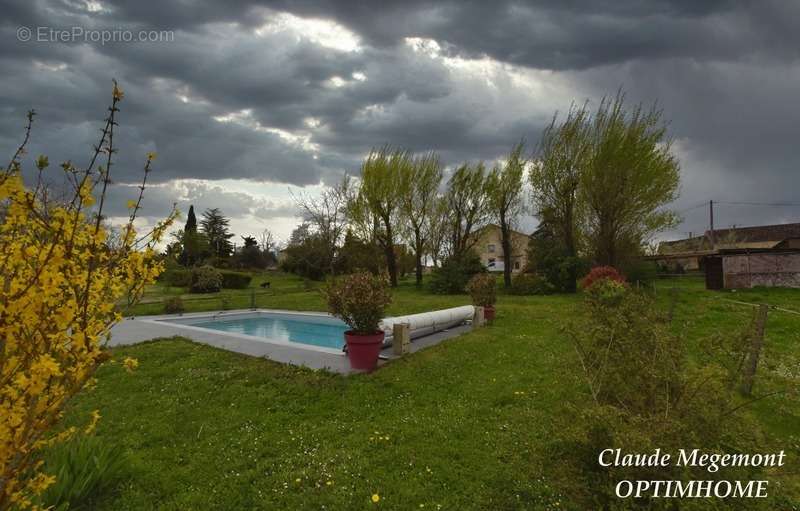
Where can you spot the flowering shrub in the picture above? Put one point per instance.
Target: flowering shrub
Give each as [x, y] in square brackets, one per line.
[482, 289]
[359, 300]
[62, 276]
[600, 273]
[206, 279]
[606, 293]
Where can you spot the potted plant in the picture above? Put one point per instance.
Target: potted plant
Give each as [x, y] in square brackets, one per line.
[360, 300]
[482, 289]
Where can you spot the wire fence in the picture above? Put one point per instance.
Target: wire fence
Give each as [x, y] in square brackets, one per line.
[223, 300]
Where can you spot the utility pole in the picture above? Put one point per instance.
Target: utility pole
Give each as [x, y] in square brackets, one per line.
[711, 217]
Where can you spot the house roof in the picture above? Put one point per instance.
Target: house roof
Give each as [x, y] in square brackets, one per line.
[495, 226]
[759, 236]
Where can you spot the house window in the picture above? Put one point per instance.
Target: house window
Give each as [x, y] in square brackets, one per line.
[516, 265]
[491, 248]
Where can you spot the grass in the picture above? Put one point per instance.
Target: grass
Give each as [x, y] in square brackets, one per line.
[463, 425]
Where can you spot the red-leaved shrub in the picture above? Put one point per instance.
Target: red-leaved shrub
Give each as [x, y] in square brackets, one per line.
[599, 273]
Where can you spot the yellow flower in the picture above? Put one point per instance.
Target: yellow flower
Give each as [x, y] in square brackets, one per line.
[375, 498]
[151, 156]
[93, 422]
[118, 94]
[130, 364]
[131, 203]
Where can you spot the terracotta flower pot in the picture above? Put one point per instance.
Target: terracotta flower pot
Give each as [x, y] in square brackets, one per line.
[488, 313]
[363, 350]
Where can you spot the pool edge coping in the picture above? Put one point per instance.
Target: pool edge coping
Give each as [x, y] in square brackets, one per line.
[164, 319]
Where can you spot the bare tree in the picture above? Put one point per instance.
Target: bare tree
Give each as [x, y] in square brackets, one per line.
[267, 241]
[327, 215]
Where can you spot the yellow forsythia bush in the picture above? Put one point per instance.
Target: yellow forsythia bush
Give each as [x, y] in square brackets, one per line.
[61, 278]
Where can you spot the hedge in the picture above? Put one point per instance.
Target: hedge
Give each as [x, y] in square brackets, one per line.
[176, 278]
[235, 280]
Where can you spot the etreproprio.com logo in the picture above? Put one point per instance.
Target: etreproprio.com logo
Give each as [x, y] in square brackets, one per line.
[44, 34]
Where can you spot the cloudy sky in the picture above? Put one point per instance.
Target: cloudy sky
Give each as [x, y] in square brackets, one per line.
[247, 102]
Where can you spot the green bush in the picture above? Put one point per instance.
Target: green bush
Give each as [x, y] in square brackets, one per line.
[641, 271]
[84, 467]
[206, 279]
[235, 280]
[455, 272]
[176, 277]
[174, 305]
[483, 289]
[530, 284]
[642, 393]
[359, 300]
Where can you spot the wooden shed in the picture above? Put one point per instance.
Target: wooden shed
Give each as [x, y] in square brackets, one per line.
[742, 268]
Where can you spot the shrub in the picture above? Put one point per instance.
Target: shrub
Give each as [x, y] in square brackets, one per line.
[549, 258]
[606, 292]
[235, 280]
[483, 289]
[599, 273]
[177, 278]
[206, 279]
[83, 467]
[359, 300]
[174, 305]
[529, 284]
[62, 274]
[641, 271]
[455, 272]
[641, 394]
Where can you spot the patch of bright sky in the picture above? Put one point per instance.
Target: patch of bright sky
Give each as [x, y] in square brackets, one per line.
[245, 118]
[323, 32]
[44, 66]
[276, 194]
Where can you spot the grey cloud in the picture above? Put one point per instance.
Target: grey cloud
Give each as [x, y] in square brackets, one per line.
[725, 73]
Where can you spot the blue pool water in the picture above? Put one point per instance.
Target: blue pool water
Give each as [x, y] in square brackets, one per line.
[328, 335]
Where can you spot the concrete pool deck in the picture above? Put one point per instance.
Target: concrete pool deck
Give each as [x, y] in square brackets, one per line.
[145, 328]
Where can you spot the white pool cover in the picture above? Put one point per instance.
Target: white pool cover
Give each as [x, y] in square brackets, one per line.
[429, 322]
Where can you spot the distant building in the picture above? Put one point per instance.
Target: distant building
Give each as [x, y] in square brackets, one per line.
[489, 247]
[739, 268]
[688, 254]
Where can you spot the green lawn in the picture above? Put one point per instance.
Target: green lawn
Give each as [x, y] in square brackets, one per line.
[463, 425]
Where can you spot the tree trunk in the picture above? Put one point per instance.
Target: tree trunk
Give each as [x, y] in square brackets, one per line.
[505, 232]
[391, 258]
[569, 245]
[418, 255]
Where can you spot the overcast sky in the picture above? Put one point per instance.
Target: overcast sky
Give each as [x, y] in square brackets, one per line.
[246, 102]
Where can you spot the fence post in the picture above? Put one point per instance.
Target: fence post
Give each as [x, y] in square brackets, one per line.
[478, 319]
[401, 339]
[673, 301]
[756, 342]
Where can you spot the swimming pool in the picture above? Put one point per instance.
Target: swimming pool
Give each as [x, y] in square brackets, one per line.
[283, 329]
[301, 329]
